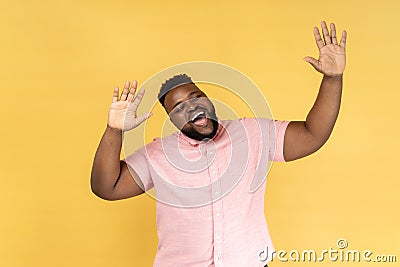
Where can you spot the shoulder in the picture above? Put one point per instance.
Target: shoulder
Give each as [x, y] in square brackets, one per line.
[158, 143]
[248, 123]
[244, 120]
[253, 123]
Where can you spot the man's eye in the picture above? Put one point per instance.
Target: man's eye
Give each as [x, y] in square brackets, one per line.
[194, 99]
[179, 108]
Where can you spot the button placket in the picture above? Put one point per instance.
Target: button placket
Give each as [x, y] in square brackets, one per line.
[218, 229]
[216, 206]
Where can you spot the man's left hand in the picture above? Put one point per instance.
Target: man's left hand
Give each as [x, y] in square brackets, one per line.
[332, 56]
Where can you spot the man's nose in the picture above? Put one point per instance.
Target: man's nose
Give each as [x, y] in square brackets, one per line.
[191, 106]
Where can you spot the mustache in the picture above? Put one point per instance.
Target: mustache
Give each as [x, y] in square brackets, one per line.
[192, 133]
[207, 113]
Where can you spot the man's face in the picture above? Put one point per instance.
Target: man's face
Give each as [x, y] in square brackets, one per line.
[191, 111]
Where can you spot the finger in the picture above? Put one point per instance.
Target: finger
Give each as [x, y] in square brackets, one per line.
[343, 40]
[315, 63]
[132, 91]
[325, 32]
[143, 117]
[333, 33]
[115, 95]
[125, 91]
[318, 38]
[137, 100]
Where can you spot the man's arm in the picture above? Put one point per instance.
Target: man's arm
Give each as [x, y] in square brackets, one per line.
[111, 178]
[303, 138]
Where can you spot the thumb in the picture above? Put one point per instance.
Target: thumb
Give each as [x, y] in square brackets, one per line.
[315, 63]
[142, 118]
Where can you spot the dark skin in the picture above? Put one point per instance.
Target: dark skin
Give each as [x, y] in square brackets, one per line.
[111, 178]
[184, 105]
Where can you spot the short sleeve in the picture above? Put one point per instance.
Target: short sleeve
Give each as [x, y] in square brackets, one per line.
[138, 161]
[277, 135]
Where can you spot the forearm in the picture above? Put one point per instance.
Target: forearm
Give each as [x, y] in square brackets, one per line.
[106, 165]
[303, 138]
[322, 116]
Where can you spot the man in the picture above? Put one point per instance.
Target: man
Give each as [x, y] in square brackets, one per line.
[206, 214]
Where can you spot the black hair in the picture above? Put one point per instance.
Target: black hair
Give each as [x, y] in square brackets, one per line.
[172, 83]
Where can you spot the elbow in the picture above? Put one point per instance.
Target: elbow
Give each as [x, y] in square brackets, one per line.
[102, 195]
[298, 152]
[301, 140]
[317, 140]
[316, 145]
[98, 191]
[320, 142]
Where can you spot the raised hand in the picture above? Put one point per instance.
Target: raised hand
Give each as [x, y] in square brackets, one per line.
[122, 115]
[332, 56]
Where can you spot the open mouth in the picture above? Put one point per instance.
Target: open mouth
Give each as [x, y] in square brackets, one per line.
[199, 119]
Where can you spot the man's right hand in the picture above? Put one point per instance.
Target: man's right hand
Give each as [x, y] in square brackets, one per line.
[122, 115]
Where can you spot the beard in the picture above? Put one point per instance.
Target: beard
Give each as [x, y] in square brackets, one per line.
[192, 133]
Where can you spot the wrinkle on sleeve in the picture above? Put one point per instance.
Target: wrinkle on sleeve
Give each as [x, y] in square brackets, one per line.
[277, 131]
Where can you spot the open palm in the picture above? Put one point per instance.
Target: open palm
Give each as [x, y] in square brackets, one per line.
[122, 114]
[332, 56]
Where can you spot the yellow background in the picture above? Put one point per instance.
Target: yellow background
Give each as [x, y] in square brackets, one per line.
[59, 62]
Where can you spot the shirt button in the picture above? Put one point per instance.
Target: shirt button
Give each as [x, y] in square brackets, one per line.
[217, 214]
[214, 172]
[211, 153]
[218, 237]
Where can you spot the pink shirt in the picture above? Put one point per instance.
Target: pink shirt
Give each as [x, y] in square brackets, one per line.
[210, 195]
